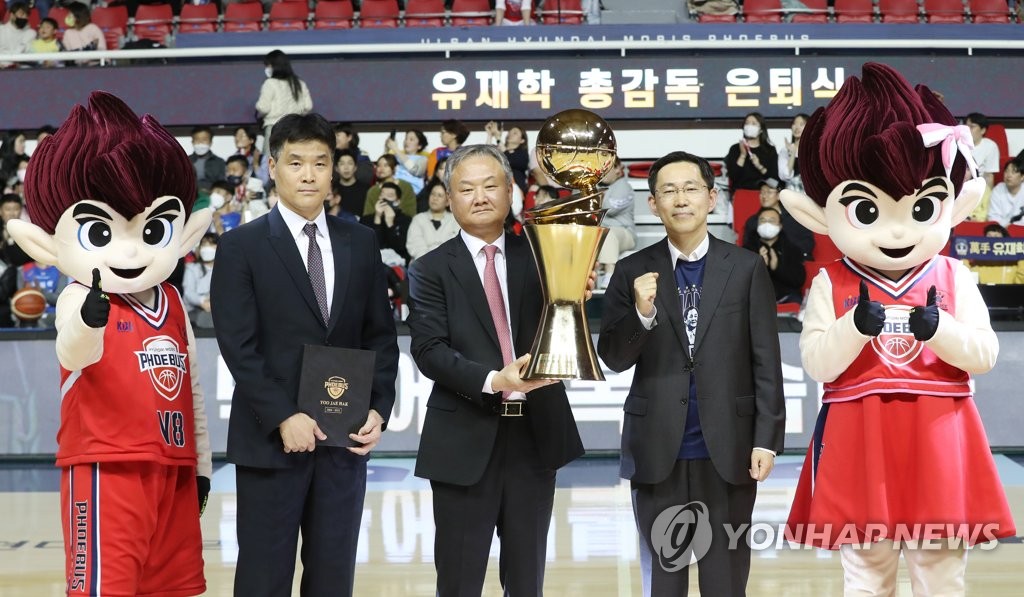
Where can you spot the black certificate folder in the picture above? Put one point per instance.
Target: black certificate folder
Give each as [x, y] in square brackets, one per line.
[334, 389]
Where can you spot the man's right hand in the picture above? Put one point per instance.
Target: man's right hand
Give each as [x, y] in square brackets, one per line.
[299, 433]
[510, 379]
[96, 307]
[645, 289]
[869, 316]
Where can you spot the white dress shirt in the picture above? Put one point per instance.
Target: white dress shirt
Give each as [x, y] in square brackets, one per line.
[295, 224]
[476, 249]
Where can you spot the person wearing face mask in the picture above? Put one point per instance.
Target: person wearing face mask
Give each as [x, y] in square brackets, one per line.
[15, 34]
[784, 260]
[281, 94]
[197, 282]
[226, 214]
[796, 234]
[209, 167]
[753, 158]
[81, 33]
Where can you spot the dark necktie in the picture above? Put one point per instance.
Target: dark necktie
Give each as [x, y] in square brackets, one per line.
[496, 302]
[315, 267]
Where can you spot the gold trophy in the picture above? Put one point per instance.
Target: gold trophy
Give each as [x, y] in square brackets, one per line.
[575, 148]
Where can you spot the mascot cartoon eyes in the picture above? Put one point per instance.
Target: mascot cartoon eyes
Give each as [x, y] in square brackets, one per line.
[95, 225]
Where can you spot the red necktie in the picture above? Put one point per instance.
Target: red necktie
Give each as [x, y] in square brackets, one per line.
[496, 302]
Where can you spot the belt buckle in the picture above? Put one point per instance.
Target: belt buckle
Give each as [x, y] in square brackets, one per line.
[512, 409]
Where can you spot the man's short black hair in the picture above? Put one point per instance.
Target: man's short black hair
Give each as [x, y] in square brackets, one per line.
[238, 158]
[390, 185]
[202, 129]
[339, 153]
[222, 185]
[52, 23]
[706, 172]
[979, 119]
[17, 7]
[296, 128]
[11, 198]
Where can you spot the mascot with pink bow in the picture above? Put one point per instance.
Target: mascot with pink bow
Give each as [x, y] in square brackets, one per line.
[899, 460]
[110, 197]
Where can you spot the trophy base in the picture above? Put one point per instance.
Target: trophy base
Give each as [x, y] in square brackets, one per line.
[563, 349]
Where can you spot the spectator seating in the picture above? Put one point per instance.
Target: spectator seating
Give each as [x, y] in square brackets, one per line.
[288, 15]
[379, 14]
[899, 11]
[997, 133]
[34, 18]
[333, 14]
[471, 13]
[990, 11]
[825, 249]
[817, 12]
[58, 13]
[745, 203]
[762, 11]
[424, 13]
[153, 22]
[944, 11]
[243, 17]
[198, 18]
[561, 12]
[113, 20]
[854, 11]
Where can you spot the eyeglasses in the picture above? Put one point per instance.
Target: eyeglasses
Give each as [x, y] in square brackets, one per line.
[671, 192]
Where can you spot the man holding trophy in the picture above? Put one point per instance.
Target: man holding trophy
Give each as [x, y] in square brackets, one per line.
[492, 440]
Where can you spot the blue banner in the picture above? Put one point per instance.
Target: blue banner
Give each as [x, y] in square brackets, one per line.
[987, 248]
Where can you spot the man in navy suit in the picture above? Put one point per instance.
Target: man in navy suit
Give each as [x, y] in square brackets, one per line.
[297, 277]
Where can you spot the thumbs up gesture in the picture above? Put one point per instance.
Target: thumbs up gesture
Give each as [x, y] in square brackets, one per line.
[869, 315]
[96, 308]
[924, 321]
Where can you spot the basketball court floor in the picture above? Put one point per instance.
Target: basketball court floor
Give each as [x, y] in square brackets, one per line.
[592, 548]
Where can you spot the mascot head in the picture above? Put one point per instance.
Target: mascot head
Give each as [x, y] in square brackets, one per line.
[884, 166]
[112, 192]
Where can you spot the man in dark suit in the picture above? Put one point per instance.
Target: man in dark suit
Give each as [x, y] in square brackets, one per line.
[705, 415]
[491, 441]
[296, 277]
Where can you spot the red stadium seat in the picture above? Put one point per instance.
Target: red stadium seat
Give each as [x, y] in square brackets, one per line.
[817, 12]
[971, 228]
[471, 13]
[113, 20]
[990, 11]
[639, 169]
[244, 17]
[287, 16]
[716, 18]
[997, 133]
[854, 11]
[378, 14]
[899, 11]
[153, 22]
[331, 14]
[424, 13]
[944, 11]
[198, 18]
[762, 11]
[825, 249]
[58, 13]
[562, 12]
[745, 203]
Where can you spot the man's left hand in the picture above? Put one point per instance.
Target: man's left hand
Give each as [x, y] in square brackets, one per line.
[369, 433]
[761, 464]
[591, 284]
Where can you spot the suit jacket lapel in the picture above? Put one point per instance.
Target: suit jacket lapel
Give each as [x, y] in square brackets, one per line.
[341, 247]
[667, 301]
[464, 270]
[517, 263]
[717, 268]
[284, 245]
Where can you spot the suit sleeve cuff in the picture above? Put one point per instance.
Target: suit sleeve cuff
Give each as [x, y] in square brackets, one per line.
[647, 322]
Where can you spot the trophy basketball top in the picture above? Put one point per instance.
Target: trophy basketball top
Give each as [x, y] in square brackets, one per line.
[576, 148]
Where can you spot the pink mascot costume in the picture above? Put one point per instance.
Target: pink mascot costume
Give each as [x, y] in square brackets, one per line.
[110, 195]
[899, 461]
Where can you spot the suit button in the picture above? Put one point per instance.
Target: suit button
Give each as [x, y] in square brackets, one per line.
[683, 402]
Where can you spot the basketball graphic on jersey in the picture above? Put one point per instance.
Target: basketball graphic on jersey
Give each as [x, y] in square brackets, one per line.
[163, 359]
[896, 344]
